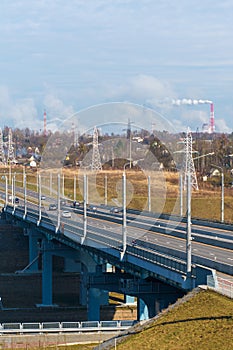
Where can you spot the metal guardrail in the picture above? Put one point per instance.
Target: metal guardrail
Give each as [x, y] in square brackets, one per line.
[224, 287]
[221, 285]
[62, 327]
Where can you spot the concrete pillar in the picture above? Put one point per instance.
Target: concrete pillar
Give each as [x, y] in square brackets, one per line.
[91, 296]
[83, 286]
[95, 299]
[142, 310]
[93, 309]
[156, 302]
[47, 276]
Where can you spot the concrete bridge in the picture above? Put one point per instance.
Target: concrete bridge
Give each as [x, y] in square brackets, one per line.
[143, 257]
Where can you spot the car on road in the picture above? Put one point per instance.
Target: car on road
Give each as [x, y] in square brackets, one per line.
[76, 204]
[63, 202]
[16, 199]
[93, 208]
[134, 242]
[115, 210]
[52, 207]
[66, 214]
[43, 198]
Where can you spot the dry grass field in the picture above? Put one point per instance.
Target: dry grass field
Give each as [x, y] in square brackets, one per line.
[203, 322]
[165, 198]
[206, 202]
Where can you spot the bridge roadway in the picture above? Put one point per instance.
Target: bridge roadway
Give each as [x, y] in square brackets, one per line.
[156, 245]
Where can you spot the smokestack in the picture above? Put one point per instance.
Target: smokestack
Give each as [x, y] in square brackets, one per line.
[45, 120]
[211, 126]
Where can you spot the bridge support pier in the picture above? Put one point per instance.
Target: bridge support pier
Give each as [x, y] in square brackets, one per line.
[33, 250]
[142, 310]
[96, 297]
[88, 296]
[151, 304]
[47, 275]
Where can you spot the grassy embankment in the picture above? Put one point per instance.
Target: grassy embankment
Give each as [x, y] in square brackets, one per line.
[204, 321]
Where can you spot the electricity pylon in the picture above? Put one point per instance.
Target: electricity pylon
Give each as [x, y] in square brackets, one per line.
[10, 149]
[2, 153]
[96, 162]
[189, 167]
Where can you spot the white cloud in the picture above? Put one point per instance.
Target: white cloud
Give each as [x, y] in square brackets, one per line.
[55, 107]
[95, 51]
[19, 113]
[141, 88]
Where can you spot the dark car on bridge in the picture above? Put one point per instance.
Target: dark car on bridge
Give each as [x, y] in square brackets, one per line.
[76, 204]
[52, 207]
[116, 210]
[92, 208]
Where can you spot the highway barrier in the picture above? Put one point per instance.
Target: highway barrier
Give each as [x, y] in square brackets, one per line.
[62, 327]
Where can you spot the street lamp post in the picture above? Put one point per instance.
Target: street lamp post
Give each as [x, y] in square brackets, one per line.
[13, 192]
[189, 216]
[128, 163]
[58, 202]
[124, 217]
[25, 194]
[63, 185]
[222, 190]
[106, 190]
[6, 191]
[149, 194]
[74, 188]
[188, 240]
[181, 194]
[124, 223]
[84, 208]
[39, 199]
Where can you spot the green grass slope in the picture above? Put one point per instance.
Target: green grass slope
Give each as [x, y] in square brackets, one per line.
[204, 321]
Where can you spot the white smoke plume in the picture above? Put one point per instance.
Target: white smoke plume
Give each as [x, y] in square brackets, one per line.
[188, 101]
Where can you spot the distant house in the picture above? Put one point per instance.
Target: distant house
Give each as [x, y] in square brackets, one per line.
[214, 172]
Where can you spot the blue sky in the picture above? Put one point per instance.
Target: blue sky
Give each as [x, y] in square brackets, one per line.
[64, 56]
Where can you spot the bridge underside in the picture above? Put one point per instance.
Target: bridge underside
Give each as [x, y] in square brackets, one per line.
[153, 283]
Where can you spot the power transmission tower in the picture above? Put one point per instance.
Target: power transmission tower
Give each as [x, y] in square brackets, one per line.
[2, 153]
[96, 162]
[10, 150]
[189, 167]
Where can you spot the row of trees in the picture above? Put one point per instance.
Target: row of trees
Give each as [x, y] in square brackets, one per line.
[164, 146]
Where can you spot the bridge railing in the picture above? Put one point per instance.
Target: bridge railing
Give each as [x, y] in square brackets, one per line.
[160, 256]
[221, 285]
[225, 287]
[54, 327]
